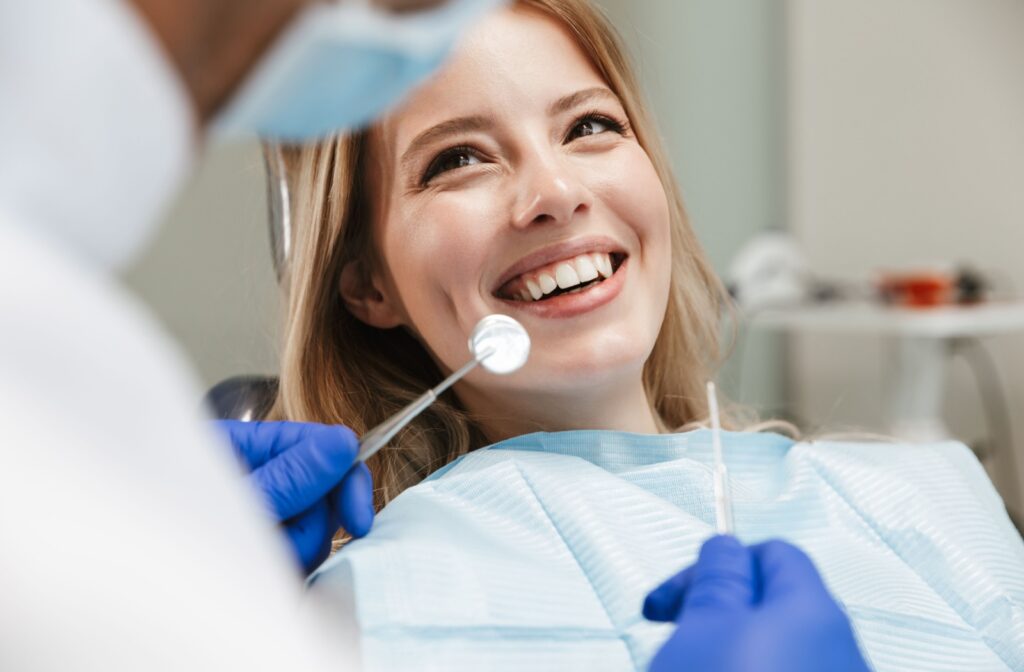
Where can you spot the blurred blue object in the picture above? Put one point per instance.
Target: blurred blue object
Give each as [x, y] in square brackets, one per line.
[341, 65]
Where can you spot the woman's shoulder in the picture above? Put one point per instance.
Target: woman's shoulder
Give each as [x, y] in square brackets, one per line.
[941, 464]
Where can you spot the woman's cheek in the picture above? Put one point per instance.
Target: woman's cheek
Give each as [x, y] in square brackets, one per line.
[442, 252]
[630, 186]
[650, 194]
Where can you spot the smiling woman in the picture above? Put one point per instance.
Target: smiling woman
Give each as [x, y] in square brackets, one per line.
[525, 178]
[527, 515]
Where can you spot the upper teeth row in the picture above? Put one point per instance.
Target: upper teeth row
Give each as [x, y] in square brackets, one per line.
[565, 275]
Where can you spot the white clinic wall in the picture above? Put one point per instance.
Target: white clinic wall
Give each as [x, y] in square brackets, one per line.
[208, 276]
[906, 127]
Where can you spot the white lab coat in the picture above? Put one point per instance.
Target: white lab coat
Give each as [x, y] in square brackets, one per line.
[128, 539]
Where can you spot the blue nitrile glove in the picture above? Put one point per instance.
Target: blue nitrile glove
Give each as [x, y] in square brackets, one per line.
[306, 474]
[757, 609]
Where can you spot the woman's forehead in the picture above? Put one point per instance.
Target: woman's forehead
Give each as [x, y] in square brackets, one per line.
[515, 62]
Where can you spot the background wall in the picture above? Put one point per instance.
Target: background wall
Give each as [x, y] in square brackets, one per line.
[208, 276]
[907, 145]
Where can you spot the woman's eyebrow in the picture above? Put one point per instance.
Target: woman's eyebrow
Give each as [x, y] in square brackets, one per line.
[443, 130]
[566, 103]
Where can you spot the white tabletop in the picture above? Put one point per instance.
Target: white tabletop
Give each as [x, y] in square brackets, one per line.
[943, 322]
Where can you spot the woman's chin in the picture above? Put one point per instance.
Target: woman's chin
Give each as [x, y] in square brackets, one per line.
[579, 376]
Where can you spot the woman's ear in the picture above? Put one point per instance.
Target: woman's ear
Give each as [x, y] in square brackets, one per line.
[366, 299]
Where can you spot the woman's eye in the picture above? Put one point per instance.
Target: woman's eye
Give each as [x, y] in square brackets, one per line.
[592, 125]
[451, 159]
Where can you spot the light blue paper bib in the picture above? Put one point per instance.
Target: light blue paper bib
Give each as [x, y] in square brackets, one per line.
[536, 553]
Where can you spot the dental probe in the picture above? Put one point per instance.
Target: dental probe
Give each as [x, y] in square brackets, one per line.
[498, 342]
[723, 496]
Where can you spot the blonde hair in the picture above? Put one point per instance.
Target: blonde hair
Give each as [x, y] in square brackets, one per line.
[336, 369]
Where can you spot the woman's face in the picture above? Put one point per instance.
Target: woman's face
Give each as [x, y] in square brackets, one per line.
[513, 184]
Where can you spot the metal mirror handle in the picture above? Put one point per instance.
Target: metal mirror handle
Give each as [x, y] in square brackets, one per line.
[279, 202]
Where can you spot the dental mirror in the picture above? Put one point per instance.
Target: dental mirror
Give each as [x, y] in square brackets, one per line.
[498, 342]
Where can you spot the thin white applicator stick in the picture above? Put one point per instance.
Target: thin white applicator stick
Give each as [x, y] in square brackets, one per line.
[723, 497]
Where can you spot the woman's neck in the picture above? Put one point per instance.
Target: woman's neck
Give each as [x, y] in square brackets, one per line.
[619, 407]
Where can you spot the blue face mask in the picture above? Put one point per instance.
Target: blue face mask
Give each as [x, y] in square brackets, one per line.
[341, 65]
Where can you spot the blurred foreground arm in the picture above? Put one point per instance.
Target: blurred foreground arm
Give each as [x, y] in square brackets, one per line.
[757, 609]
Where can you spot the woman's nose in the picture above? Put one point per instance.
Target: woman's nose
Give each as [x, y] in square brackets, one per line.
[550, 193]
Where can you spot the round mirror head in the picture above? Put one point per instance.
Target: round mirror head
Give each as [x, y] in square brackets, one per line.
[500, 344]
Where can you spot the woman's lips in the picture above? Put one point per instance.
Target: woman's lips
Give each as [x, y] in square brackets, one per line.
[575, 302]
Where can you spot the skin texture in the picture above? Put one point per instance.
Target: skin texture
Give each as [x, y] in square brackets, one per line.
[532, 179]
[215, 43]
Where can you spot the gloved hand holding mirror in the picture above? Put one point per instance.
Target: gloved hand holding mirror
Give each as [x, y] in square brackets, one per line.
[310, 480]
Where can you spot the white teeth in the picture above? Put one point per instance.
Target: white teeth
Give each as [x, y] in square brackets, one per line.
[585, 268]
[566, 276]
[604, 264]
[547, 283]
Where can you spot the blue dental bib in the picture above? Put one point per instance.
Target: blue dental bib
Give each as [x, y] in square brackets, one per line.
[536, 553]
